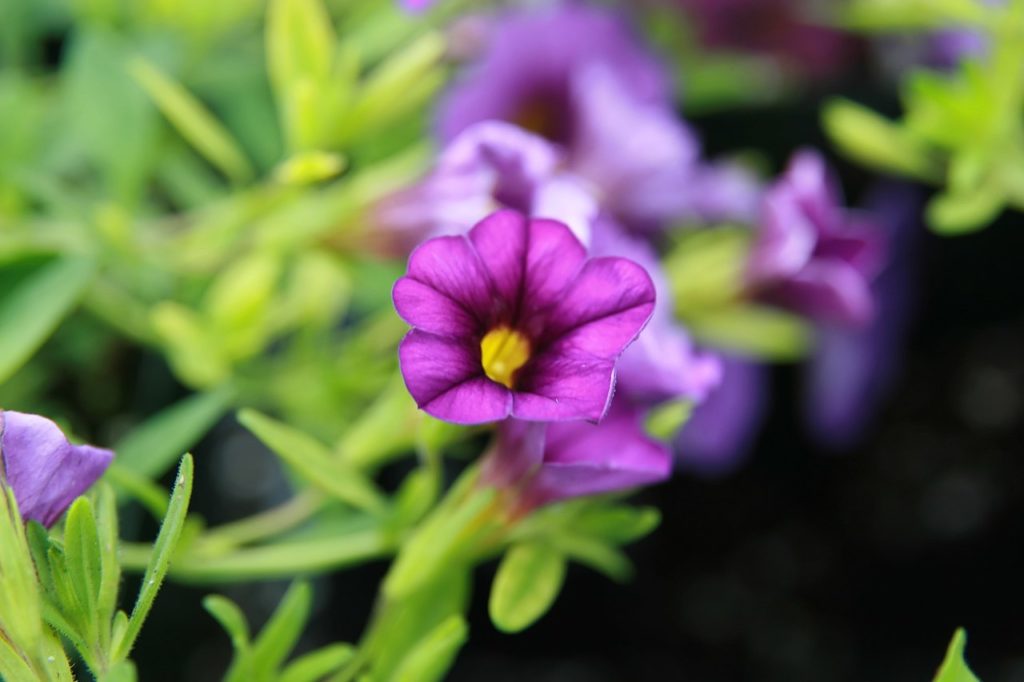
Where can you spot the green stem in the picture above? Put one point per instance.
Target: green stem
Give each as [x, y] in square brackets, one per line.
[266, 524]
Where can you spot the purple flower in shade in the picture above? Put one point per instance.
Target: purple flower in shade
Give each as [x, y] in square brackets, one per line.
[662, 364]
[416, 6]
[553, 462]
[44, 470]
[513, 320]
[722, 428]
[780, 29]
[579, 78]
[809, 255]
[488, 166]
[852, 369]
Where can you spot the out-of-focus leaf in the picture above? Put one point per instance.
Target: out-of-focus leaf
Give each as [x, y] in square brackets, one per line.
[755, 330]
[430, 659]
[279, 636]
[33, 307]
[308, 167]
[666, 420]
[616, 523]
[316, 665]
[528, 580]
[193, 120]
[231, 618]
[868, 138]
[952, 214]
[150, 448]
[954, 667]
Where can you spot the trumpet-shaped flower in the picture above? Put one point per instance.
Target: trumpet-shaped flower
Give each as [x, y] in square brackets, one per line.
[809, 254]
[44, 470]
[549, 463]
[512, 320]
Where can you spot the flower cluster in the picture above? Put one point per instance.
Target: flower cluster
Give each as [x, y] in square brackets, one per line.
[538, 294]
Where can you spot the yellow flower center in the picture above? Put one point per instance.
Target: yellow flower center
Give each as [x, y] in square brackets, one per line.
[503, 351]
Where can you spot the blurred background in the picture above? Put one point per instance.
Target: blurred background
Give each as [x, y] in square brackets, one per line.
[803, 562]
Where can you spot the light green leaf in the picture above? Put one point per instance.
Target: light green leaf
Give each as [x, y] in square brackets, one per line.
[313, 461]
[231, 619]
[526, 585]
[83, 562]
[760, 331]
[160, 559]
[618, 523]
[151, 447]
[316, 665]
[300, 43]
[121, 672]
[193, 120]
[279, 636]
[954, 667]
[666, 420]
[868, 138]
[430, 659]
[32, 309]
[954, 214]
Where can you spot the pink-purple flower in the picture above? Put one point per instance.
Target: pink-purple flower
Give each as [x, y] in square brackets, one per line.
[513, 320]
[544, 464]
[811, 255]
[44, 470]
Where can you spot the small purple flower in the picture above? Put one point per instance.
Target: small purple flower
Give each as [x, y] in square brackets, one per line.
[513, 320]
[810, 255]
[549, 463]
[44, 470]
[488, 166]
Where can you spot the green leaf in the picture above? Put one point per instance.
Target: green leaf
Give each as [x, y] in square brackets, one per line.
[666, 420]
[313, 461]
[955, 214]
[13, 667]
[300, 43]
[316, 665]
[150, 495]
[231, 618]
[526, 585]
[193, 120]
[760, 331]
[31, 311]
[430, 659]
[110, 566]
[868, 138]
[279, 636]
[618, 523]
[160, 559]
[121, 672]
[954, 667]
[83, 562]
[150, 448]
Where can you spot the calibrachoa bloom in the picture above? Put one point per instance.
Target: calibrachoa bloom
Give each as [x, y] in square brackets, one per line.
[44, 470]
[549, 463]
[489, 165]
[810, 255]
[512, 320]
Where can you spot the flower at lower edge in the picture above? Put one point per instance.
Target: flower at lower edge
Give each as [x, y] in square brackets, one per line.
[513, 320]
[44, 470]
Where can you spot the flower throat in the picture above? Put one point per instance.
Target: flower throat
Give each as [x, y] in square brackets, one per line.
[503, 351]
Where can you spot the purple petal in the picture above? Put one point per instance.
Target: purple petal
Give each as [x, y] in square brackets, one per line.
[827, 290]
[722, 428]
[451, 267]
[588, 459]
[431, 311]
[603, 310]
[785, 241]
[662, 364]
[518, 450]
[45, 471]
[445, 378]
[562, 386]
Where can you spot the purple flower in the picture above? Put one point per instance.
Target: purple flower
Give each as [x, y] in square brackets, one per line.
[513, 320]
[579, 78]
[44, 470]
[549, 463]
[723, 428]
[662, 364]
[416, 6]
[489, 165]
[810, 255]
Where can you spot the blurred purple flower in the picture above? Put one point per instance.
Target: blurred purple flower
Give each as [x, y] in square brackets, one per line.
[722, 428]
[513, 320]
[44, 470]
[578, 77]
[416, 6]
[852, 369]
[946, 48]
[549, 463]
[780, 29]
[809, 254]
[488, 166]
[662, 364]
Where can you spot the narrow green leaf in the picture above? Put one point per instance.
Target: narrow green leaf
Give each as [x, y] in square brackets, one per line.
[954, 668]
[279, 636]
[13, 667]
[82, 558]
[160, 559]
[110, 566]
[430, 659]
[525, 586]
[31, 311]
[231, 618]
[151, 448]
[617, 523]
[300, 43]
[313, 461]
[193, 120]
[955, 214]
[121, 672]
[316, 665]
